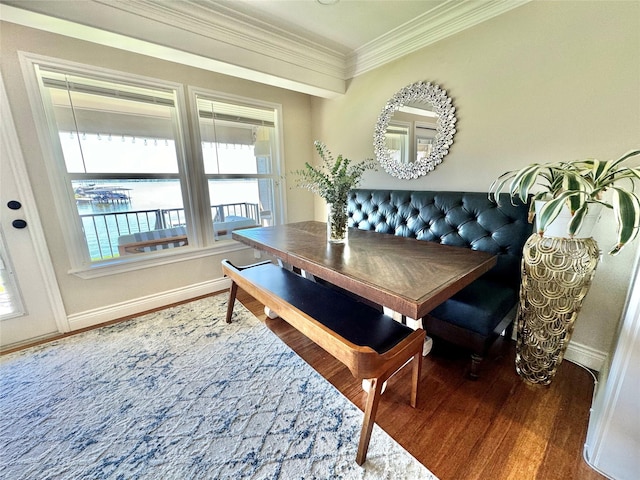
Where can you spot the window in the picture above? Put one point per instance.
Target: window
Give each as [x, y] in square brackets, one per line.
[238, 147]
[397, 141]
[123, 157]
[127, 188]
[425, 138]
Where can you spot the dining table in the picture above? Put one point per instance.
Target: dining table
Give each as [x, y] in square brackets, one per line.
[406, 275]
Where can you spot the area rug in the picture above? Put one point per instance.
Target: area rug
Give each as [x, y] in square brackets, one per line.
[180, 394]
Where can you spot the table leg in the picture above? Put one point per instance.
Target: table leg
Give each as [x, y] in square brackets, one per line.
[428, 345]
[411, 323]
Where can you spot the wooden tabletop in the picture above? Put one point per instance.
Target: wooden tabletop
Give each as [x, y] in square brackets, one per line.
[407, 275]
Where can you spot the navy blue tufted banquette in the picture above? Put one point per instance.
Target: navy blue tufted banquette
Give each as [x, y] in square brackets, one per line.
[478, 314]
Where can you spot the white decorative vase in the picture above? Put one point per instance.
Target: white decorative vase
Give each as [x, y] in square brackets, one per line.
[558, 228]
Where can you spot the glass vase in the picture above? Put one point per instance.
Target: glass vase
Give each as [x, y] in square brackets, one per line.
[337, 220]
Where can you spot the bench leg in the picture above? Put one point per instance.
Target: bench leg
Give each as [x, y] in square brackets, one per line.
[373, 400]
[233, 291]
[366, 384]
[476, 360]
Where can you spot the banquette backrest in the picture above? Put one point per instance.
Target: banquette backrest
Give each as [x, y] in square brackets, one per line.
[465, 219]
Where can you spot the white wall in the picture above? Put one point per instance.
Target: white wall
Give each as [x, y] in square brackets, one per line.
[544, 82]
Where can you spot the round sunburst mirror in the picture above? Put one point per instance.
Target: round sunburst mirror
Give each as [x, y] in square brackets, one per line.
[415, 130]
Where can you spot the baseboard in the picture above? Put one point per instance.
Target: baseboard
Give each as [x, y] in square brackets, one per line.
[91, 318]
[585, 356]
[576, 352]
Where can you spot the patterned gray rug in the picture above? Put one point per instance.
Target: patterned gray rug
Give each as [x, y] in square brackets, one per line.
[179, 394]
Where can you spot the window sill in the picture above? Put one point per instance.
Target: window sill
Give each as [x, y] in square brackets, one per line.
[132, 263]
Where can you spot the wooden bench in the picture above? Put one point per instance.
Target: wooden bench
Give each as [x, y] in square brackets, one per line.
[372, 345]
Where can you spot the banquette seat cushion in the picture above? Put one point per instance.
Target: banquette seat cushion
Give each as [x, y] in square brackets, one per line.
[464, 219]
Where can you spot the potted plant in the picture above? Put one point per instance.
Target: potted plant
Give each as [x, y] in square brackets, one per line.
[578, 186]
[332, 180]
[557, 270]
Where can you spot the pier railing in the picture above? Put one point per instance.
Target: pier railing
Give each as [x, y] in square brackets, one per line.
[102, 230]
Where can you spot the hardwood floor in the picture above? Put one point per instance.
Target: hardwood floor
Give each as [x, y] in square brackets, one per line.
[495, 428]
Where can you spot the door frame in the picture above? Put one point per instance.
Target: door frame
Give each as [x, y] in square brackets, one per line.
[9, 136]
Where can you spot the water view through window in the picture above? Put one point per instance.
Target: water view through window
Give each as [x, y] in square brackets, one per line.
[127, 181]
[112, 210]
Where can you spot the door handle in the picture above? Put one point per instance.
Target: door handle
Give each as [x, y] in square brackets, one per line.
[19, 223]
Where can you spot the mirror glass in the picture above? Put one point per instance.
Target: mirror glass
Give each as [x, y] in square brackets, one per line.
[414, 130]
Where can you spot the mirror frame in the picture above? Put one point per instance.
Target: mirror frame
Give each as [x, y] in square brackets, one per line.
[445, 129]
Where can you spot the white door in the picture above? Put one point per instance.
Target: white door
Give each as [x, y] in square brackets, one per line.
[30, 303]
[613, 436]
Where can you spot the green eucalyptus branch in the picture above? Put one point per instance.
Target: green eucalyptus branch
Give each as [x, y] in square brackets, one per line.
[333, 178]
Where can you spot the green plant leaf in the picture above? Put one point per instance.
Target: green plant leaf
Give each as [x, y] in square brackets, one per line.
[577, 219]
[552, 208]
[549, 213]
[572, 182]
[532, 205]
[626, 208]
[600, 169]
[498, 184]
[629, 154]
[528, 181]
[523, 181]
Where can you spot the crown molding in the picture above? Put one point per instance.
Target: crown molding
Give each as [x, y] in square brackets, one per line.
[211, 19]
[116, 29]
[441, 22]
[218, 22]
[212, 36]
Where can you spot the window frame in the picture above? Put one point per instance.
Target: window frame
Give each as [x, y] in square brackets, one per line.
[190, 172]
[277, 163]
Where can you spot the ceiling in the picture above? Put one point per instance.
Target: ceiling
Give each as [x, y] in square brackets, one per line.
[345, 26]
[302, 45]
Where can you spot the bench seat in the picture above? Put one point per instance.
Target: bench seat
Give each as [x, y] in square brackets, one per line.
[480, 307]
[369, 343]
